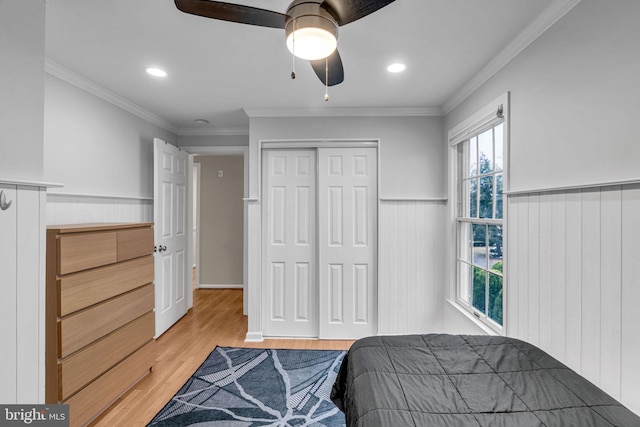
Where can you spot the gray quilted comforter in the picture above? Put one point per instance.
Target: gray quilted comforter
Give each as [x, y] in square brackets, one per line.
[458, 380]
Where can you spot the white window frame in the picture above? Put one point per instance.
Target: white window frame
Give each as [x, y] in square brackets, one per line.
[493, 114]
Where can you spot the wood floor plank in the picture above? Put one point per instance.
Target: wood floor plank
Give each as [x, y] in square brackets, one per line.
[215, 319]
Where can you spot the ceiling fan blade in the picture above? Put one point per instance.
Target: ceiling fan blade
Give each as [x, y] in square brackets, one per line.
[336, 71]
[233, 12]
[345, 11]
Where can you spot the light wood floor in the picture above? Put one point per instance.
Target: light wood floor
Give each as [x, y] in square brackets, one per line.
[215, 319]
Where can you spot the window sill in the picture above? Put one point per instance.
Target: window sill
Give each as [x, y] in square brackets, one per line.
[472, 319]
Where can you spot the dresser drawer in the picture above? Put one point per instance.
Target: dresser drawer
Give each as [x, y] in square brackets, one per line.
[92, 361]
[86, 288]
[84, 251]
[134, 243]
[85, 327]
[87, 404]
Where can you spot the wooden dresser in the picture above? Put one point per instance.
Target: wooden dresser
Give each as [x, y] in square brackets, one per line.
[99, 314]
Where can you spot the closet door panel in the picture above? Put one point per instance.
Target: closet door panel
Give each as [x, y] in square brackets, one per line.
[290, 301]
[347, 242]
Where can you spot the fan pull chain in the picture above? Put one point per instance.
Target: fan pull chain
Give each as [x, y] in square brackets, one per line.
[326, 78]
[293, 54]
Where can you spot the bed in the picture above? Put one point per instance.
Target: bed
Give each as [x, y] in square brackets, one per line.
[461, 380]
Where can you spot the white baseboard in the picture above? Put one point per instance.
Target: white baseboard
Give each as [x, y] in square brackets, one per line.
[254, 337]
[207, 286]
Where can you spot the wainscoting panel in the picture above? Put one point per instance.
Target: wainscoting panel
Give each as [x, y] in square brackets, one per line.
[77, 209]
[9, 300]
[574, 281]
[30, 253]
[630, 289]
[411, 259]
[22, 264]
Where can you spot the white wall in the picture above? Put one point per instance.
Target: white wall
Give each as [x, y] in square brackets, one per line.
[213, 140]
[411, 153]
[575, 99]
[21, 88]
[412, 188]
[102, 154]
[22, 230]
[572, 256]
[94, 147]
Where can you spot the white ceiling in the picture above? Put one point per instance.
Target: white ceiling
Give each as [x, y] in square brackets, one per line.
[217, 68]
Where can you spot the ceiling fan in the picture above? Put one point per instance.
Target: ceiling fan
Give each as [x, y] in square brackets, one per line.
[311, 26]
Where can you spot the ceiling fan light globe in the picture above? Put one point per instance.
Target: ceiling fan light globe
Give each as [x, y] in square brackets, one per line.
[312, 43]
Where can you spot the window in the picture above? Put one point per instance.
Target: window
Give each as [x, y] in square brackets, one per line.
[479, 178]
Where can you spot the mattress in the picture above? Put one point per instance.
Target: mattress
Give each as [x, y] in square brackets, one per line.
[462, 380]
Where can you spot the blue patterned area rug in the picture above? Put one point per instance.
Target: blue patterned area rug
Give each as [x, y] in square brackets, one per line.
[247, 387]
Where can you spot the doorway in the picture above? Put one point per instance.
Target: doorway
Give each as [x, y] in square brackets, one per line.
[220, 232]
[239, 152]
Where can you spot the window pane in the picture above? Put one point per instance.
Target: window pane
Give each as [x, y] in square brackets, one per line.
[464, 270]
[480, 245]
[472, 198]
[486, 197]
[479, 289]
[495, 247]
[465, 236]
[495, 298]
[499, 196]
[499, 147]
[485, 148]
[473, 156]
[480, 256]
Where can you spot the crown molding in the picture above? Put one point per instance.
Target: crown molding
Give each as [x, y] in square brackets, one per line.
[549, 16]
[241, 131]
[344, 112]
[95, 89]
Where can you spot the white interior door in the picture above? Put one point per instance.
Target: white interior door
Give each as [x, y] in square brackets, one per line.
[171, 230]
[347, 228]
[289, 300]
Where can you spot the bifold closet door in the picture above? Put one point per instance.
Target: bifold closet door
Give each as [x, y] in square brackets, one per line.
[347, 242]
[290, 295]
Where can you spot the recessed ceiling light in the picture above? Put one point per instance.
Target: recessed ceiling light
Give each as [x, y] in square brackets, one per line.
[156, 72]
[201, 121]
[396, 68]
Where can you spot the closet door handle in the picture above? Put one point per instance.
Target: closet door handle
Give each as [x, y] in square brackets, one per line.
[4, 205]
